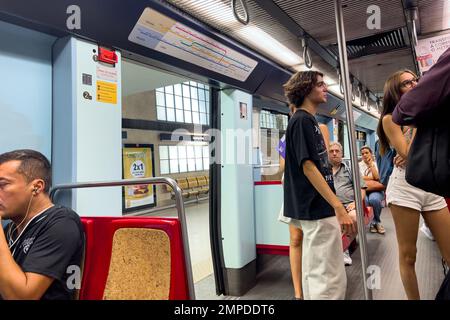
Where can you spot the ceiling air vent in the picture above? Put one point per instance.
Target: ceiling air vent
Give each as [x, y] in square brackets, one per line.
[379, 43]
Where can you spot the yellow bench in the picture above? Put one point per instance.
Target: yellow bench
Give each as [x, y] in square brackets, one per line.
[191, 186]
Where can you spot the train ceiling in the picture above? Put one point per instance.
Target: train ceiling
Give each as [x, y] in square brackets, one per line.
[373, 53]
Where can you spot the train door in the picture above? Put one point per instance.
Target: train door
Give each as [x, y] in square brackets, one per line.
[165, 123]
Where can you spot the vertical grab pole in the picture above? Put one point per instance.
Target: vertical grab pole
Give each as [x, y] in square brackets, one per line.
[351, 128]
[182, 218]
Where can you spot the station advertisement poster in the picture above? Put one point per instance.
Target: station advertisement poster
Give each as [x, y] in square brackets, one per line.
[429, 50]
[138, 163]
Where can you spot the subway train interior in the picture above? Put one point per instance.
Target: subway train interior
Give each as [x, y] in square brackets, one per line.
[187, 95]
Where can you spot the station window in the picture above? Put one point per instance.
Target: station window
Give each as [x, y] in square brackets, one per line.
[361, 140]
[180, 159]
[186, 102]
[271, 120]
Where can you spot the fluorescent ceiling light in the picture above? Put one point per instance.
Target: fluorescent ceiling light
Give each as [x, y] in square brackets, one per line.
[216, 10]
[269, 45]
[301, 67]
[329, 80]
[334, 88]
[446, 15]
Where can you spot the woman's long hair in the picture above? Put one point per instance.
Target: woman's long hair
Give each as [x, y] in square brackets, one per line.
[391, 97]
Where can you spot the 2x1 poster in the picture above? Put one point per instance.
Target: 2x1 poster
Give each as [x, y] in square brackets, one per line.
[138, 163]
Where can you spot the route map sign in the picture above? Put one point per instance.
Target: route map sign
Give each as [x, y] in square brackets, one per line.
[161, 33]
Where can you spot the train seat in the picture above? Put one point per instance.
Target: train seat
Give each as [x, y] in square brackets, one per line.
[203, 184]
[184, 186]
[193, 186]
[133, 258]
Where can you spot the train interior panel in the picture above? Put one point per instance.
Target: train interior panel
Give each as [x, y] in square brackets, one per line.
[188, 97]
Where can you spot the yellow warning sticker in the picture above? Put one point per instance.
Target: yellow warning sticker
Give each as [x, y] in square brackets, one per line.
[106, 92]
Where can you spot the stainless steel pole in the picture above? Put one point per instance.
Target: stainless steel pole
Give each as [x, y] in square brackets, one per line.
[179, 205]
[351, 133]
[182, 217]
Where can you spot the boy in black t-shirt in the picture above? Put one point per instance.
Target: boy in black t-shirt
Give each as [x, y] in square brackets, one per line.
[41, 249]
[309, 194]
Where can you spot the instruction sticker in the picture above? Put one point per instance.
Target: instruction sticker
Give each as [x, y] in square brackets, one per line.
[106, 92]
[107, 73]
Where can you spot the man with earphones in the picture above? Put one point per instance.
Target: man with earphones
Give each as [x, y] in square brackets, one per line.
[43, 243]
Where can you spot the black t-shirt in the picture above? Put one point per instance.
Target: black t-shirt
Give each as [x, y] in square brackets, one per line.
[52, 245]
[304, 141]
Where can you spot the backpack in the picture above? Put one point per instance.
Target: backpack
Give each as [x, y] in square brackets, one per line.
[429, 160]
[444, 290]
[385, 163]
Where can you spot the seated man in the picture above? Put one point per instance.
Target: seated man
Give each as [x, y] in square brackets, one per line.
[343, 183]
[41, 248]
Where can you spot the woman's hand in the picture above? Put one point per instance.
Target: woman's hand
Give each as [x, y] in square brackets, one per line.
[399, 161]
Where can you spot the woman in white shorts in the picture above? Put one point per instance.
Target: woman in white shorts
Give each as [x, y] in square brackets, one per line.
[405, 201]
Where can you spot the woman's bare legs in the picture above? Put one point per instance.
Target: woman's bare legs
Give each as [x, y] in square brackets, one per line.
[295, 258]
[439, 223]
[407, 226]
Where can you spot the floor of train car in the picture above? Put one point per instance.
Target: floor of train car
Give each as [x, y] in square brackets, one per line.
[274, 280]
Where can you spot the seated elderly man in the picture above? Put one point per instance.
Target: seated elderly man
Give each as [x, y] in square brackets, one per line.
[343, 183]
[41, 248]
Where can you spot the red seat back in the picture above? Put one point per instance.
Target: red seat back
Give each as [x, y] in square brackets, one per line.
[99, 234]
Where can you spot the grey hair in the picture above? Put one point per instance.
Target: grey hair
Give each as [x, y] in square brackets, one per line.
[335, 143]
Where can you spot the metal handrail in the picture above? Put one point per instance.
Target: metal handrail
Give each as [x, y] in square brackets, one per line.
[246, 18]
[345, 80]
[157, 180]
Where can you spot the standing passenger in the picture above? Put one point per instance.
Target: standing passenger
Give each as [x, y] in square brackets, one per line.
[406, 201]
[309, 191]
[295, 230]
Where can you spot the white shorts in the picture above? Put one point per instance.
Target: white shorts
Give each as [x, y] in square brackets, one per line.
[283, 218]
[400, 193]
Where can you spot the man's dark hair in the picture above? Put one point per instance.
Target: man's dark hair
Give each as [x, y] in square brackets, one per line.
[300, 85]
[33, 165]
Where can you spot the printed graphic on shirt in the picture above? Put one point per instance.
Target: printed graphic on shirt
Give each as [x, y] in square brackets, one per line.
[325, 166]
[26, 244]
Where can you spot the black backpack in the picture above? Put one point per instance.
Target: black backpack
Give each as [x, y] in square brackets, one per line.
[444, 290]
[429, 160]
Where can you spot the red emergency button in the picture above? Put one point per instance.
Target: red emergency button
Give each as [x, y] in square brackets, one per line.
[107, 56]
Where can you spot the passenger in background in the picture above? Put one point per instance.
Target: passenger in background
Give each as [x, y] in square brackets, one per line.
[43, 240]
[309, 191]
[406, 201]
[374, 192]
[295, 230]
[343, 183]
